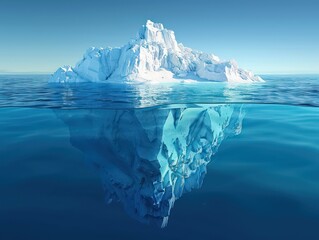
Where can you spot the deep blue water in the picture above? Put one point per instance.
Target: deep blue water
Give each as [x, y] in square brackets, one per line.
[261, 184]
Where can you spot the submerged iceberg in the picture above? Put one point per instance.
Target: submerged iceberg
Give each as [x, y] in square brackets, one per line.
[148, 158]
[154, 55]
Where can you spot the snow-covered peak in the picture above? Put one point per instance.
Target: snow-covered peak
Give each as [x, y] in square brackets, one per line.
[156, 33]
[153, 56]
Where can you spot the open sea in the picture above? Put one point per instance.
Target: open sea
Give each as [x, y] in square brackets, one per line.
[87, 160]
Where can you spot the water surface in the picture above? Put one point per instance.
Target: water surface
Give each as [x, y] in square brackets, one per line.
[262, 183]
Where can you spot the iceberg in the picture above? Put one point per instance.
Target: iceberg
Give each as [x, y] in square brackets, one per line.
[153, 56]
[148, 158]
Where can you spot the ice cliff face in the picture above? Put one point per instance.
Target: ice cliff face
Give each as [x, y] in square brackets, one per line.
[153, 56]
[148, 158]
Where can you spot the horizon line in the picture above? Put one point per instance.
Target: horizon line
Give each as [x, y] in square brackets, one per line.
[257, 73]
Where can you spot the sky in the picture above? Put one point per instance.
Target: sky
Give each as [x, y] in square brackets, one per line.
[265, 36]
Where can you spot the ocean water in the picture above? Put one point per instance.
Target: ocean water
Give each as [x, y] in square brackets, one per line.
[66, 150]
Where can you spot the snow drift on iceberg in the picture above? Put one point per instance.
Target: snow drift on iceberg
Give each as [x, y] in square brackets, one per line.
[154, 55]
[148, 158]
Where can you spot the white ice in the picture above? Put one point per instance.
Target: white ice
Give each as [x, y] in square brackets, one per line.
[154, 55]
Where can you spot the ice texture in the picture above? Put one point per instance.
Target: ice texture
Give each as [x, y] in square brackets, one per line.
[154, 55]
[148, 158]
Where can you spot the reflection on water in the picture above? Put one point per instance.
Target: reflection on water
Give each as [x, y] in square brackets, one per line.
[34, 91]
[148, 158]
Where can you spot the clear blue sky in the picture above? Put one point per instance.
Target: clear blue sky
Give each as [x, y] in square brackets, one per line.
[264, 36]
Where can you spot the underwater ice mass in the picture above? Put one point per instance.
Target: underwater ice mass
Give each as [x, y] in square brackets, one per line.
[148, 158]
[155, 56]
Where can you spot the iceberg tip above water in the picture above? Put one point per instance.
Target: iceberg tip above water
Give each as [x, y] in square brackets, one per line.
[154, 55]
